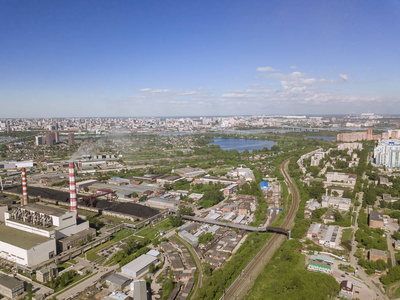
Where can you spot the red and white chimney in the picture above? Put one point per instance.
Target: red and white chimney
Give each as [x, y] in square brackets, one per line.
[72, 189]
[24, 187]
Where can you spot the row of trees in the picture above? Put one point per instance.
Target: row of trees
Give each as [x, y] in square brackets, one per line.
[285, 277]
[370, 266]
[214, 286]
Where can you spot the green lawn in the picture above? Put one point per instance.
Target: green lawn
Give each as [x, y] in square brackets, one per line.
[149, 233]
[91, 254]
[164, 225]
[347, 234]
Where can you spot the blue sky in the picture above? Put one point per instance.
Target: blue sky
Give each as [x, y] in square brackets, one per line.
[172, 58]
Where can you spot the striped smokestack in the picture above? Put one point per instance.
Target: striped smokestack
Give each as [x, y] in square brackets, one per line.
[24, 187]
[72, 189]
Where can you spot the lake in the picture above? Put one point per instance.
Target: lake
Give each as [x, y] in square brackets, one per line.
[242, 144]
[323, 137]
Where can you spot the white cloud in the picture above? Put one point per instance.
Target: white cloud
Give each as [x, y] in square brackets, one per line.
[266, 69]
[293, 67]
[343, 76]
[188, 93]
[291, 76]
[256, 85]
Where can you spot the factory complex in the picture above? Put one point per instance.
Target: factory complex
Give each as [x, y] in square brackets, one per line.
[33, 233]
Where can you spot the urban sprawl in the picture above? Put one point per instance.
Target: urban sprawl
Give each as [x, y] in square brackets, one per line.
[200, 208]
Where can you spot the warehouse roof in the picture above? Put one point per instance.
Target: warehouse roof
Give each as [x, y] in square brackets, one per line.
[118, 279]
[139, 263]
[19, 238]
[9, 282]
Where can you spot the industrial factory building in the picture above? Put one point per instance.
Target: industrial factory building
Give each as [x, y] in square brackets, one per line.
[25, 248]
[29, 233]
[45, 220]
[139, 266]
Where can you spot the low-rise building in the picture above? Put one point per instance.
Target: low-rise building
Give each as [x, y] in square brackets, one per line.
[388, 198]
[336, 202]
[140, 290]
[385, 181]
[375, 254]
[324, 235]
[47, 273]
[189, 172]
[11, 287]
[118, 282]
[162, 203]
[139, 266]
[346, 289]
[116, 296]
[329, 216]
[397, 244]
[168, 179]
[340, 179]
[376, 219]
[319, 266]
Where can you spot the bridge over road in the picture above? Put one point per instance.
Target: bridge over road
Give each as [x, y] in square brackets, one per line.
[238, 226]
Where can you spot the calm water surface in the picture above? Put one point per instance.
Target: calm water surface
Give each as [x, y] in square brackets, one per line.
[242, 144]
[323, 137]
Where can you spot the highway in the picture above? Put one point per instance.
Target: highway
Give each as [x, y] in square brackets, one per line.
[243, 284]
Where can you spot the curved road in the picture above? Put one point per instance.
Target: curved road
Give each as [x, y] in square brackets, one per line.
[243, 284]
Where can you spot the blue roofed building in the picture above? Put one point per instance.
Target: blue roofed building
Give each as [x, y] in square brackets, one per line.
[264, 185]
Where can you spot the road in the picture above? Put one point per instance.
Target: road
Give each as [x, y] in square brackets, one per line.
[243, 284]
[353, 259]
[75, 290]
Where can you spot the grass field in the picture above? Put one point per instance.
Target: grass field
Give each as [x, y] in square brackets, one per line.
[149, 233]
[347, 234]
[91, 254]
[164, 225]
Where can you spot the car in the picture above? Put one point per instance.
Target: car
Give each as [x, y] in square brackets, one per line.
[346, 273]
[342, 275]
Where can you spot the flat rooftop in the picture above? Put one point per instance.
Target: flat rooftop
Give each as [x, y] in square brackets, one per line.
[19, 238]
[45, 209]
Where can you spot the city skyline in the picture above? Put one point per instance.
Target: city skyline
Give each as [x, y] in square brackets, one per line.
[134, 59]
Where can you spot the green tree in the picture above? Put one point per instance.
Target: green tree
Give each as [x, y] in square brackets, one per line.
[152, 268]
[205, 238]
[186, 210]
[175, 221]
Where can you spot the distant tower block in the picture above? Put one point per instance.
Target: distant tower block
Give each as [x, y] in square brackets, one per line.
[71, 138]
[72, 189]
[24, 187]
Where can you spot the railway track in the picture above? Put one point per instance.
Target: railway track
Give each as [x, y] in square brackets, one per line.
[248, 276]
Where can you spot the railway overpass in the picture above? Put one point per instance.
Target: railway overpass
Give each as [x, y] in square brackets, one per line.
[238, 226]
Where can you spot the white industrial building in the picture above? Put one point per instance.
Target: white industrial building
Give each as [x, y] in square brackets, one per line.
[44, 220]
[324, 235]
[336, 202]
[28, 236]
[139, 266]
[25, 248]
[16, 164]
[162, 203]
[245, 173]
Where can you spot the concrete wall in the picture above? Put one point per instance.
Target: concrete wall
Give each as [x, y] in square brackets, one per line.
[31, 257]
